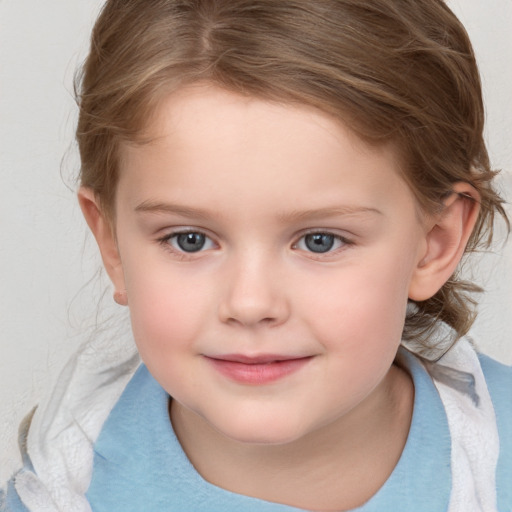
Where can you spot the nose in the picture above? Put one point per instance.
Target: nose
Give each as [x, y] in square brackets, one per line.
[253, 294]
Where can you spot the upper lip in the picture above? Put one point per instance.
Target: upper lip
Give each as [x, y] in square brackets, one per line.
[256, 359]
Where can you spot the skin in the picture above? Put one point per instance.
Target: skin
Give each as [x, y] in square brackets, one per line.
[255, 178]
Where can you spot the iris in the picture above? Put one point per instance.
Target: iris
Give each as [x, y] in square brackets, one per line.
[190, 242]
[319, 242]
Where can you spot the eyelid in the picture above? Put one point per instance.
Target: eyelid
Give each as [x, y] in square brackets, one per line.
[165, 239]
[345, 242]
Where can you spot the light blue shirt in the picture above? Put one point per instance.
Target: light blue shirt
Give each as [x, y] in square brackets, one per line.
[139, 465]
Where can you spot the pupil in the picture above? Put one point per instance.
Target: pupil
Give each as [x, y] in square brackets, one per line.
[319, 242]
[191, 242]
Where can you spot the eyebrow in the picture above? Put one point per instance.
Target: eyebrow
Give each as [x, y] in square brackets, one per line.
[321, 213]
[294, 215]
[171, 208]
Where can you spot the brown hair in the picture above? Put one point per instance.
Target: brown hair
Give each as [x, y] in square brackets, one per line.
[397, 71]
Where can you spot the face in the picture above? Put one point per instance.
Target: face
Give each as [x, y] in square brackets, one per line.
[267, 255]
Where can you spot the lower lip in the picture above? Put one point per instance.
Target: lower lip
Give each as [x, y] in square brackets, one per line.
[258, 374]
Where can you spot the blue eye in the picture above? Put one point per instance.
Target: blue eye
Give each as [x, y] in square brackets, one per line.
[191, 241]
[320, 243]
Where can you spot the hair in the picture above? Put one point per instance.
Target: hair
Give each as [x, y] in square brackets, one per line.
[401, 72]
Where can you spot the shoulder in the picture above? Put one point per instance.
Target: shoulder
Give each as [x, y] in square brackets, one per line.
[10, 501]
[9, 498]
[497, 375]
[499, 382]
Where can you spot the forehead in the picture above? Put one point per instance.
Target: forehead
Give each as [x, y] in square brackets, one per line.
[206, 139]
[202, 106]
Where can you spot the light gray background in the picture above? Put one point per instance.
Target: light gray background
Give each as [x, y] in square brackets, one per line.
[48, 289]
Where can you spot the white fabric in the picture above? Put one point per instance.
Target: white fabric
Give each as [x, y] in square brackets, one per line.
[65, 428]
[461, 384]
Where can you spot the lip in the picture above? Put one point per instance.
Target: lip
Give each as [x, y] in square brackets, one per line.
[257, 370]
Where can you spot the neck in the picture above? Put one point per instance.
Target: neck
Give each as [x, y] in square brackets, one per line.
[336, 467]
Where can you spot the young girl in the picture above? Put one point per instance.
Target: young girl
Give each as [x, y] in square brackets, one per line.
[281, 193]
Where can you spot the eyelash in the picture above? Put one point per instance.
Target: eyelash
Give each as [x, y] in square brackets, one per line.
[344, 243]
[165, 241]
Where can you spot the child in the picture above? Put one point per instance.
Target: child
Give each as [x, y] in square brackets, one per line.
[281, 193]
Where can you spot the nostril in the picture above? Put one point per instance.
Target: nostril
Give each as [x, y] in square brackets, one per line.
[248, 321]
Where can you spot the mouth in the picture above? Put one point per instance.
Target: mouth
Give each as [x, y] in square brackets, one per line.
[257, 370]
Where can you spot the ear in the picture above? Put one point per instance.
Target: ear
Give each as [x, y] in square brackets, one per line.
[446, 241]
[105, 237]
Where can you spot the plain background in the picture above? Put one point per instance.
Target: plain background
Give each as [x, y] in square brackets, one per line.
[50, 286]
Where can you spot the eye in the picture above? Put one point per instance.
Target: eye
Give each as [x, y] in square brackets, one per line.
[189, 241]
[320, 242]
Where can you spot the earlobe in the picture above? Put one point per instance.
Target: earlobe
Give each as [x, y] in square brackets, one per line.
[105, 238]
[446, 241]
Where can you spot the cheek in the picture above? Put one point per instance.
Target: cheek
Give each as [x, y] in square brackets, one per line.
[167, 311]
[166, 324]
[363, 309]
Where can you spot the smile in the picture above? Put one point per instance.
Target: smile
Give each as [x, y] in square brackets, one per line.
[257, 370]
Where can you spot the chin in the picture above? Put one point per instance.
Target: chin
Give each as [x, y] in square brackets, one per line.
[257, 433]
